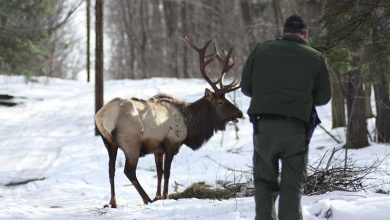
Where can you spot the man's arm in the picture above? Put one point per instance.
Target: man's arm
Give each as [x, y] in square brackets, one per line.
[322, 91]
[246, 78]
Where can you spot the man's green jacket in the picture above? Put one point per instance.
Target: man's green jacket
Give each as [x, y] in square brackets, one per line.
[285, 77]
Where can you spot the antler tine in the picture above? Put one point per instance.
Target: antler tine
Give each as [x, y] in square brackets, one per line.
[189, 42]
[202, 62]
[192, 45]
[230, 87]
[226, 66]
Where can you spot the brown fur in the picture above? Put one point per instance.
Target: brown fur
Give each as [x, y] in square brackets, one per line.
[201, 123]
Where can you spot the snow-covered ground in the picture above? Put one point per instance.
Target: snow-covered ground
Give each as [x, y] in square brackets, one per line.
[50, 138]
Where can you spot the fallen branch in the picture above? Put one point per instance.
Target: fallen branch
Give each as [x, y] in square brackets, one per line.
[17, 183]
[229, 168]
[331, 135]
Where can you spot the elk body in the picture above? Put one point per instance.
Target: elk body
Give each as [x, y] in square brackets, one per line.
[161, 124]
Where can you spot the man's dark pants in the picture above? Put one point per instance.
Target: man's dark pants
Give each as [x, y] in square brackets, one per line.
[279, 139]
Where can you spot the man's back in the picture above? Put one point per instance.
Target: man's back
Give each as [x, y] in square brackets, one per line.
[286, 77]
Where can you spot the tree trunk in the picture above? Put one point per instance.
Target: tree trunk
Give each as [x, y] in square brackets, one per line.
[184, 23]
[247, 19]
[357, 124]
[88, 40]
[338, 97]
[278, 17]
[381, 90]
[99, 58]
[171, 18]
[367, 97]
[144, 39]
[128, 46]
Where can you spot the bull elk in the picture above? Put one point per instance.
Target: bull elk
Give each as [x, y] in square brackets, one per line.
[161, 124]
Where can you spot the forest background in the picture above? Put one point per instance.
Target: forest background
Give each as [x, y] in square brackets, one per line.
[142, 40]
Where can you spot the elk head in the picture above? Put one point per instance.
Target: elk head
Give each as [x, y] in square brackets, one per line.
[223, 110]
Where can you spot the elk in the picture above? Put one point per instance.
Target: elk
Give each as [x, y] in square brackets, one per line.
[161, 124]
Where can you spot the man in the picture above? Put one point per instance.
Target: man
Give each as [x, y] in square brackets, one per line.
[285, 78]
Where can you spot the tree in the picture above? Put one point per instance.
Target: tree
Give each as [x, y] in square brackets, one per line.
[351, 32]
[338, 98]
[380, 66]
[31, 37]
[88, 7]
[99, 57]
[247, 18]
[278, 17]
[171, 14]
[145, 35]
[357, 125]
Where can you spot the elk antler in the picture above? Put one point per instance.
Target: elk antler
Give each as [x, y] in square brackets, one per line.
[226, 66]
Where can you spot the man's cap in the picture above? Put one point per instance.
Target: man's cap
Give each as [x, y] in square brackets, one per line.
[295, 21]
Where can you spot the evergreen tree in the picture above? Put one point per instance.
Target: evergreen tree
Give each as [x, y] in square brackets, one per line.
[348, 42]
[31, 37]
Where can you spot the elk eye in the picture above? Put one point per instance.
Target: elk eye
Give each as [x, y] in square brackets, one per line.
[220, 102]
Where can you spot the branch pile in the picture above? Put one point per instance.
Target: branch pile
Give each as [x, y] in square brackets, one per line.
[338, 175]
[325, 175]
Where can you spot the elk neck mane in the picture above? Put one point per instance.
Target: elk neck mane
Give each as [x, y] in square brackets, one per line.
[201, 125]
[165, 98]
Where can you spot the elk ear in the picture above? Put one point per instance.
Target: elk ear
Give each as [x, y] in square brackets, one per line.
[208, 94]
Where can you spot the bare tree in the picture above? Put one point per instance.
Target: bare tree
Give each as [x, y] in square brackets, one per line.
[88, 5]
[338, 99]
[145, 34]
[278, 16]
[357, 125]
[99, 57]
[381, 86]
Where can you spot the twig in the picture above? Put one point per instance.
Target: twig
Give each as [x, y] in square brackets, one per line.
[330, 158]
[331, 135]
[228, 168]
[320, 162]
[347, 177]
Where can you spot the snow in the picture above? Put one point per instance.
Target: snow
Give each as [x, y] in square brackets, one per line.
[50, 138]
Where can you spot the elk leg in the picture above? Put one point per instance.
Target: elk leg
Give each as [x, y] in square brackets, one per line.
[112, 152]
[167, 172]
[130, 168]
[159, 166]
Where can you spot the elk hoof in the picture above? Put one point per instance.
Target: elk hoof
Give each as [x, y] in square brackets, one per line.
[157, 198]
[147, 201]
[112, 203]
[112, 206]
